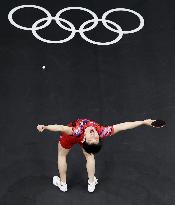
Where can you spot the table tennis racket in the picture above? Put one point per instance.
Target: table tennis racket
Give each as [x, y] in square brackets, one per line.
[158, 123]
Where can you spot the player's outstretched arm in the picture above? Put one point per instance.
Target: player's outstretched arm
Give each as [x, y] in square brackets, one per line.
[130, 125]
[55, 128]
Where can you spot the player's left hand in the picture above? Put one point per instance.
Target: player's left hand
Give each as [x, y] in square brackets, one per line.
[40, 128]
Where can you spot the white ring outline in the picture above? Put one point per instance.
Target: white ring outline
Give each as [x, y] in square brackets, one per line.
[123, 9]
[10, 17]
[50, 41]
[100, 43]
[75, 8]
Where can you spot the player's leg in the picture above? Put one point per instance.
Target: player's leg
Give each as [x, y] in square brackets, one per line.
[62, 167]
[90, 165]
[62, 162]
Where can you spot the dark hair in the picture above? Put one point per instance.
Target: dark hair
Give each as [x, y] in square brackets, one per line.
[93, 148]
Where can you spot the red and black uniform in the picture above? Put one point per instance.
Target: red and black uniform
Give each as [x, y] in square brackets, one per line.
[78, 128]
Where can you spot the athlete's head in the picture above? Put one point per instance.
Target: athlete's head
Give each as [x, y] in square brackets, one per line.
[92, 142]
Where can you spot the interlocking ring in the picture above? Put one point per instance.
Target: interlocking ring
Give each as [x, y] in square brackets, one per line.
[123, 9]
[95, 18]
[34, 29]
[71, 28]
[119, 30]
[10, 17]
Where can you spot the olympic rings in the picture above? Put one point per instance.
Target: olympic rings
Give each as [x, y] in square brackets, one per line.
[72, 28]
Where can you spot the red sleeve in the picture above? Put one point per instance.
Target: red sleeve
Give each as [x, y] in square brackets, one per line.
[106, 131]
[78, 129]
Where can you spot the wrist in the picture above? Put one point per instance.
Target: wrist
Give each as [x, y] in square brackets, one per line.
[44, 127]
[143, 122]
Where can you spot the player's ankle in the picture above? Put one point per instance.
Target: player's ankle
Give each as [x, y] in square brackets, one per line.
[91, 180]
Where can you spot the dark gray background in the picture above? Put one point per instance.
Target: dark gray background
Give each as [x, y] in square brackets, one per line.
[128, 81]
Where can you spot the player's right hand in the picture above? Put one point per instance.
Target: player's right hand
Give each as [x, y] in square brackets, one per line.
[40, 128]
[148, 122]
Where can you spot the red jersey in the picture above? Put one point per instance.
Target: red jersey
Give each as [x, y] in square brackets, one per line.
[78, 128]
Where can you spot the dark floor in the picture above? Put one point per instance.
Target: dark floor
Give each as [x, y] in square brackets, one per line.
[131, 80]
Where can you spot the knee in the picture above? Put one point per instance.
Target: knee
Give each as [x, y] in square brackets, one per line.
[62, 155]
